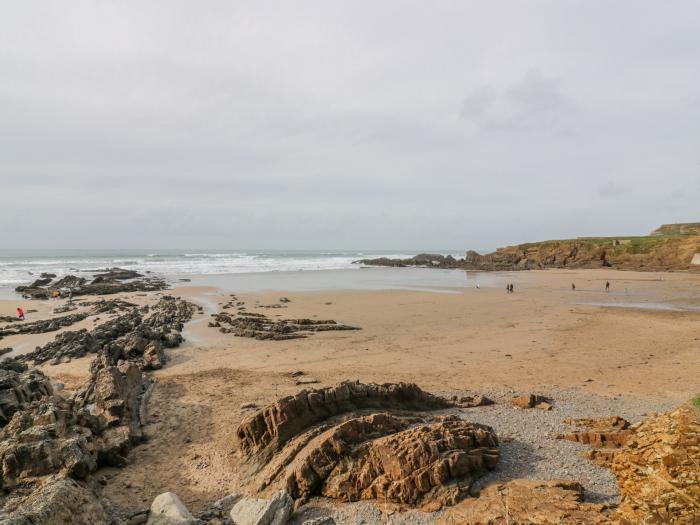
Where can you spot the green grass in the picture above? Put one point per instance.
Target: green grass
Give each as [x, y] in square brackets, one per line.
[696, 401]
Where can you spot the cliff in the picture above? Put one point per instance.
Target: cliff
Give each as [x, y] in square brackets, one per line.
[670, 247]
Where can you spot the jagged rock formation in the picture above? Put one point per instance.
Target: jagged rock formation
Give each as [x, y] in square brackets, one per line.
[56, 500]
[261, 327]
[269, 429]
[111, 281]
[51, 444]
[659, 470]
[672, 247]
[525, 502]
[329, 442]
[415, 466]
[139, 333]
[56, 323]
[19, 387]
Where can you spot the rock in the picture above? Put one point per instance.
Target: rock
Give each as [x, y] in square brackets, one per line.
[261, 327]
[306, 381]
[20, 388]
[408, 465]
[472, 401]
[253, 511]
[326, 520]
[527, 502]
[113, 280]
[58, 501]
[138, 335]
[543, 405]
[245, 406]
[531, 401]
[610, 432]
[657, 470]
[167, 509]
[265, 432]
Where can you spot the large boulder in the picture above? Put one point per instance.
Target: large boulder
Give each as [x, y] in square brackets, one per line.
[167, 509]
[418, 466]
[254, 511]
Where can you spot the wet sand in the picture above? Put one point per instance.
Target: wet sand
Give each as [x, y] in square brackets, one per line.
[467, 340]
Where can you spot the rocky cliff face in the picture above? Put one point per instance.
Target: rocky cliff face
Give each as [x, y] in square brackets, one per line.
[671, 247]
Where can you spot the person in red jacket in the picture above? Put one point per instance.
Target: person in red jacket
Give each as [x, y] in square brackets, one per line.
[20, 314]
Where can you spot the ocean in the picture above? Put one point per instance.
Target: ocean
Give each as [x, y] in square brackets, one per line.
[22, 267]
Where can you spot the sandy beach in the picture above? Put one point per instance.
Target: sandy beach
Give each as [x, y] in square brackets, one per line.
[630, 351]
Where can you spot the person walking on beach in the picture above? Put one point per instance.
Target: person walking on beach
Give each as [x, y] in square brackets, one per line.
[511, 287]
[607, 286]
[573, 287]
[20, 314]
[507, 288]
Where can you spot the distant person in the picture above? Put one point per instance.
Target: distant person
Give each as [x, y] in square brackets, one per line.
[20, 314]
[477, 286]
[511, 287]
[607, 286]
[508, 288]
[573, 287]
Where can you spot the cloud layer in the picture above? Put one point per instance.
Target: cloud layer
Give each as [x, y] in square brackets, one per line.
[395, 124]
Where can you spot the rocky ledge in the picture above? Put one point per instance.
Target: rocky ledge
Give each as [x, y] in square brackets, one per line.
[141, 333]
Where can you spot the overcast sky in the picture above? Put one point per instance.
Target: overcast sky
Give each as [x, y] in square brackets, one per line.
[355, 124]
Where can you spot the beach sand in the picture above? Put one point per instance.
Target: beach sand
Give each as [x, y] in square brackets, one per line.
[543, 337]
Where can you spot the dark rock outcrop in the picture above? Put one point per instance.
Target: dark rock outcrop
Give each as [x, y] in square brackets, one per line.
[19, 387]
[110, 281]
[49, 444]
[128, 336]
[261, 327]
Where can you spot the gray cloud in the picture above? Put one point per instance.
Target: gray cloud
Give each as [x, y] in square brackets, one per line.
[343, 125]
[611, 189]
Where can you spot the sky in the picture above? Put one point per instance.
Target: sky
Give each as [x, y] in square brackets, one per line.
[345, 124]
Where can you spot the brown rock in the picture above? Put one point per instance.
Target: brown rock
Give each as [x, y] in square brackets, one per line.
[524, 502]
[266, 432]
[529, 401]
[610, 432]
[658, 470]
[417, 466]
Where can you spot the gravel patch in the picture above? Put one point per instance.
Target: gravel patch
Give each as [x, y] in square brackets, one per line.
[529, 445]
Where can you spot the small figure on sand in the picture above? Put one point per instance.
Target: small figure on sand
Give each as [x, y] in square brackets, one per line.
[508, 288]
[20, 314]
[511, 288]
[607, 286]
[573, 287]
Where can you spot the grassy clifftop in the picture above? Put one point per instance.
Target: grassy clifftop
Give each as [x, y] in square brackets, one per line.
[686, 228]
